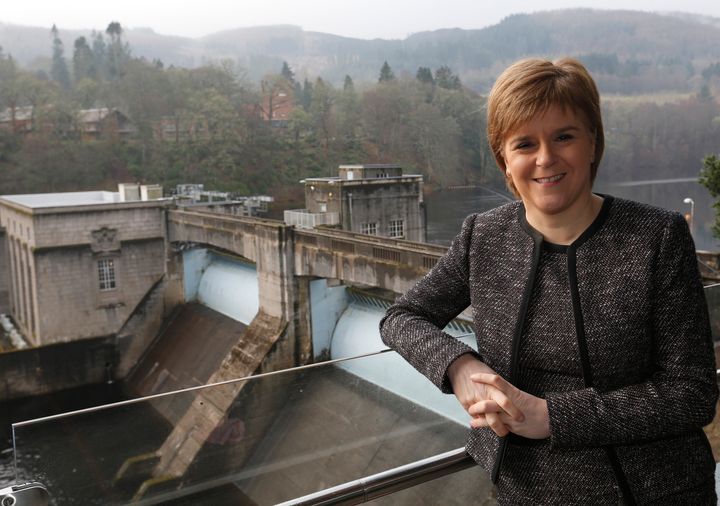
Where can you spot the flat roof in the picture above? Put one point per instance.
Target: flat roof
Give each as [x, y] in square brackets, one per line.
[336, 179]
[371, 166]
[40, 200]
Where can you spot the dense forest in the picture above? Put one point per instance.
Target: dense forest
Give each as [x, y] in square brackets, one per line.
[430, 124]
[214, 123]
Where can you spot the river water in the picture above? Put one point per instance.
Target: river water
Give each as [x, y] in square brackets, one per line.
[446, 209]
[45, 405]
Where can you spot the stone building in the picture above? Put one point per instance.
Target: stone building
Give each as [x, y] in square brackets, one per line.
[374, 199]
[88, 124]
[18, 120]
[86, 258]
[277, 106]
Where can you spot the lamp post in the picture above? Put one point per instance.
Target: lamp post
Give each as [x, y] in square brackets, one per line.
[690, 201]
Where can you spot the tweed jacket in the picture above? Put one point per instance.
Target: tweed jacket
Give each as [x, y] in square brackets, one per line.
[644, 347]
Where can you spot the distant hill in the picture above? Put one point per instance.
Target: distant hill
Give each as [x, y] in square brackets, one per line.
[628, 51]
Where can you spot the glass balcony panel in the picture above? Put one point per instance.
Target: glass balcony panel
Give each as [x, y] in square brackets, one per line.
[266, 439]
[261, 440]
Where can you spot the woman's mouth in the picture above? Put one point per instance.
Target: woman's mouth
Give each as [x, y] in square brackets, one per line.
[551, 179]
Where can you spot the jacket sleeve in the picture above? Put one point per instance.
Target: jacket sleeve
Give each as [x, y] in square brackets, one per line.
[413, 325]
[681, 393]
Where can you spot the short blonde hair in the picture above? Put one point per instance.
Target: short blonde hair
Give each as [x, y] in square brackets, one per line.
[528, 88]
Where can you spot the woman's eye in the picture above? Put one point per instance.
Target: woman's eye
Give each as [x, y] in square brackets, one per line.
[522, 145]
[565, 137]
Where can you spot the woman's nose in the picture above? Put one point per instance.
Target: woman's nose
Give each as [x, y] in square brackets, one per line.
[545, 155]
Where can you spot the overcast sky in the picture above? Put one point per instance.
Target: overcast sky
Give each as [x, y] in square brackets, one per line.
[352, 18]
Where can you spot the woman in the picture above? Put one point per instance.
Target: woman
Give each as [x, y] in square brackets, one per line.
[594, 373]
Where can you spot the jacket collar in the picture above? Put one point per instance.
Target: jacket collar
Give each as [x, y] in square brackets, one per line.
[587, 234]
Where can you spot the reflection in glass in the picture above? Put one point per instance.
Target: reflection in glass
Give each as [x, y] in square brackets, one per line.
[285, 435]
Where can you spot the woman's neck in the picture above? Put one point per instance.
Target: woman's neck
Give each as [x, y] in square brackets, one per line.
[563, 228]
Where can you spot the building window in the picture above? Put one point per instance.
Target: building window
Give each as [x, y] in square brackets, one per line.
[323, 207]
[397, 228]
[369, 228]
[106, 271]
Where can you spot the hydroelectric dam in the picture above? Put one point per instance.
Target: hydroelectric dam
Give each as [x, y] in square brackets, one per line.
[246, 298]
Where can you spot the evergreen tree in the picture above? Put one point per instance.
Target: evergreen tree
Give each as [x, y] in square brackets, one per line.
[348, 84]
[307, 94]
[114, 30]
[287, 73]
[99, 51]
[59, 71]
[83, 61]
[118, 52]
[386, 74]
[445, 78]
[704, 95]
[424, 75]
[710, 179]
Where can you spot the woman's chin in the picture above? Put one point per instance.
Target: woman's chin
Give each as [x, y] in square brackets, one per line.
[551, 205]
[558, 203]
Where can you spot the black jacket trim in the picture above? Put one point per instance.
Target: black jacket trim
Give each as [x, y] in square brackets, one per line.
[587, 234]
[517, 337]
[587, 370]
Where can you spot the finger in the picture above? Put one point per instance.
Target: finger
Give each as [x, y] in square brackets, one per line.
[504, 392]
[484, 407]
[479, 422]
[507, 405]
[494, 380]
[496, 424]
[482, 422]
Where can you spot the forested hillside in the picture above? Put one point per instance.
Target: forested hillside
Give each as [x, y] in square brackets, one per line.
[215, 123]
[630, 52]
[211, 125]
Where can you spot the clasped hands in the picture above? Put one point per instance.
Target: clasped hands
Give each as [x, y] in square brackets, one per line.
[493, 402]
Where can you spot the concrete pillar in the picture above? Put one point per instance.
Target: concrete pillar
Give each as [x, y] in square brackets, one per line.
[276, 286]
[14, 284]
[5, 274]
[33, 325]
[174, 271]
[302, 321]
[22, 307]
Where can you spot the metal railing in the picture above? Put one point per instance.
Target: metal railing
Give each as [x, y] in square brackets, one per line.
[305, 219]
[390, 481]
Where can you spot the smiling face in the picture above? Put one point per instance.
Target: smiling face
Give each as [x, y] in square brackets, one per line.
[548, 160]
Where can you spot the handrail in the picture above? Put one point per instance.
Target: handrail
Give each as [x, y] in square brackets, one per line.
[390, 481]
[707, 266]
